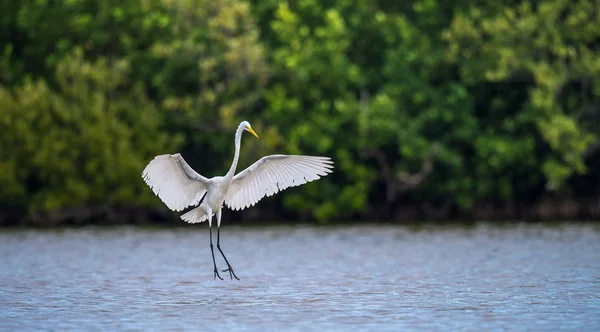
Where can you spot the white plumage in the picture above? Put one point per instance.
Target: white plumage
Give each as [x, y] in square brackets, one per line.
[179, 186]
[271, 174]
[174, 181]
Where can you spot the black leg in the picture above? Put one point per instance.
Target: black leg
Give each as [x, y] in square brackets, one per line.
[213, 253]
[229, 268]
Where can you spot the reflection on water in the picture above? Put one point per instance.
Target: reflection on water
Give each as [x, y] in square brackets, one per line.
[303, 278]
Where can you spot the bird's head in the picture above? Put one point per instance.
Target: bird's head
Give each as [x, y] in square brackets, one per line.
[248, 127]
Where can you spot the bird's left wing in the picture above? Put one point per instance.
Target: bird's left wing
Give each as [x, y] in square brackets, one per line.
[174, 181]
[273, 173]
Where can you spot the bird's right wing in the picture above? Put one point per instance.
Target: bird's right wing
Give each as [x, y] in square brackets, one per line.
[271, 174]
[174, 181]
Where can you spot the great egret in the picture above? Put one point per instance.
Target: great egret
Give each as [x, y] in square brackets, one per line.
[179, 186]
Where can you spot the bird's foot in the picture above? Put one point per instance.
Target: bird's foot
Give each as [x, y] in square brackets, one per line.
[217, 274]
[231, 273]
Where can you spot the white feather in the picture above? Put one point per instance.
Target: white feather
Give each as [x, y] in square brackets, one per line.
[174, 181]
[194, 216]
[274, 173]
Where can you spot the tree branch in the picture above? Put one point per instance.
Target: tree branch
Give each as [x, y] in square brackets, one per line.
[402, 181]
[409, 181]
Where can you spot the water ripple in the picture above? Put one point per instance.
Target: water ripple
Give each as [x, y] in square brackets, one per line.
[384, 278]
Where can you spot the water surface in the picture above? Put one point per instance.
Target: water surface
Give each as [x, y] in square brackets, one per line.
[384, 278]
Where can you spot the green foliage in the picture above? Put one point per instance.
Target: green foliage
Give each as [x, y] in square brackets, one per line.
[82, 145]
[211, 70]
[422, 106]
[313, 100]
[419, 102]
[45, 31]
[549, 46]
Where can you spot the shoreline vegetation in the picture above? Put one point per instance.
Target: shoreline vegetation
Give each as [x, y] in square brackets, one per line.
[544, 211]
[430, 110]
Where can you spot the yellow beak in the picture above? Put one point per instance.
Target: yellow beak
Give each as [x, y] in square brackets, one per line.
[252, 131]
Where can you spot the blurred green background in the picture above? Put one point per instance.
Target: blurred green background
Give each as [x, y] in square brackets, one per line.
[431, 110]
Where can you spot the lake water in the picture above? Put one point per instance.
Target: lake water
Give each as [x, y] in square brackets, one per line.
[383, 278]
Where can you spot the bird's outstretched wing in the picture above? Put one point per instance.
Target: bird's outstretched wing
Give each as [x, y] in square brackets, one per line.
[174, 181]
[271, 174]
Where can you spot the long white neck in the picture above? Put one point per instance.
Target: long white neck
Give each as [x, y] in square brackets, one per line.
[236, 156]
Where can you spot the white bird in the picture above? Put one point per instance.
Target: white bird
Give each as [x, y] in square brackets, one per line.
[179, 186]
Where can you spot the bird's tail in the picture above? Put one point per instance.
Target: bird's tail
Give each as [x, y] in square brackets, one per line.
[194, 216]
